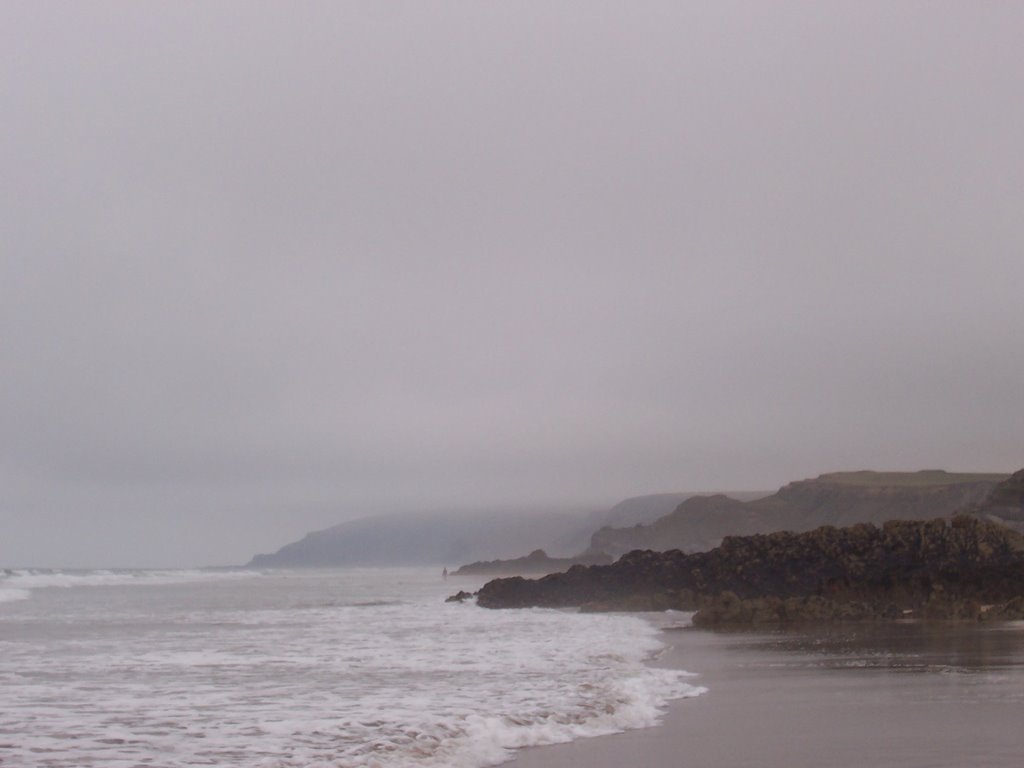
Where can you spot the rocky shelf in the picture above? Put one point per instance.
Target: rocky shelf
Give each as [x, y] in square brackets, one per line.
[959, 568]
[536, 563]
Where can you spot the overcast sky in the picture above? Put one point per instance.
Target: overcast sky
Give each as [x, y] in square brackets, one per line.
[266, 267]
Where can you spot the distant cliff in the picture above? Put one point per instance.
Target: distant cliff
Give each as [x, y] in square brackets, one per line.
[454, 537]
[940, 568]
[428, 538]
[636, 509]
[646, 509]
[842, 498]
[1005, 504]
[537, 563]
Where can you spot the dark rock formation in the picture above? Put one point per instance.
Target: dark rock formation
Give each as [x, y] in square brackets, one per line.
[1012, 610]
[460, 597]
[841, 499]
[938, 568]
[535, 563]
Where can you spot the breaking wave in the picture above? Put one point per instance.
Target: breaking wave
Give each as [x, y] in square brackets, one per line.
[282, 672]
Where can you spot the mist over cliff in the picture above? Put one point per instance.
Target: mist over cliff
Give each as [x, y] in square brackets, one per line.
[459, 537]
[446, 538]
[263, 260]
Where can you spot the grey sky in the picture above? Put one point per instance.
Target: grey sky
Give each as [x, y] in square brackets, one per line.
[265, 267]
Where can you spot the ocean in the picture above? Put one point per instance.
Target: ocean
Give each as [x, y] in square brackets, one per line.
[347, 667]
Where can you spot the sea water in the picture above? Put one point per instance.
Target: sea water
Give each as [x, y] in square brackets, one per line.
[355, 667]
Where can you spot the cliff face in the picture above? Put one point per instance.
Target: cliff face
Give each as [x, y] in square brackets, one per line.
[1006, 502]
[640, 509]
[838, 499]
[646, 509]
[902, 566]
[698, 523]
[631, 511]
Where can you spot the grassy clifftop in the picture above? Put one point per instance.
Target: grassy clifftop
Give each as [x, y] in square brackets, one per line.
[921, 479]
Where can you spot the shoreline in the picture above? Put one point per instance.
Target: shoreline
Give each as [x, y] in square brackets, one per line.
[901, 695]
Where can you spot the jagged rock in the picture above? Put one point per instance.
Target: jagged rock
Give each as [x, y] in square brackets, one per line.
[460, 596]
[1012, 610]
[939, 568]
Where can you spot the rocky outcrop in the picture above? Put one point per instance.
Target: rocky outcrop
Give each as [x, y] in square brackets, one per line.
[840, 499]
[939, 568]
[1009, 611]
[535, 563]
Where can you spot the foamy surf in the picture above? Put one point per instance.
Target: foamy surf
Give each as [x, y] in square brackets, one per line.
[10, 594]
[41, 578]
[342, 669]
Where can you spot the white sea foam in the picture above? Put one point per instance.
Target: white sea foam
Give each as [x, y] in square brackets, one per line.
[28, 578]
[9, 595]
[280, 672]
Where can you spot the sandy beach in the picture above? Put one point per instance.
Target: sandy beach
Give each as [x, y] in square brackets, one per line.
[907, 695]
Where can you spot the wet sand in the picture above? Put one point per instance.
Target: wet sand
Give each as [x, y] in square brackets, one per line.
[906, 695]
